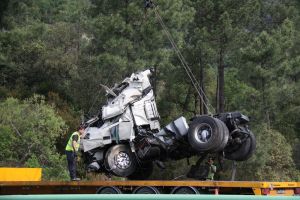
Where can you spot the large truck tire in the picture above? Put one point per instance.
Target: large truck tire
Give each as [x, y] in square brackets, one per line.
[205, 134]
[251, 148]
[244, 151]
[225, 135]
[120, 160]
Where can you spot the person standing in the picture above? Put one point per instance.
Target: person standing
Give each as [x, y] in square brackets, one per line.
[212, 169]
[72, 152]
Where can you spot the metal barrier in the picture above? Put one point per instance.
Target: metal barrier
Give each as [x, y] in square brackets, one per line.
[144, 197]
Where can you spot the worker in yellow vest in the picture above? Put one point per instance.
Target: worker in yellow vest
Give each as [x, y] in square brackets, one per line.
[212, 169]
[72, 151]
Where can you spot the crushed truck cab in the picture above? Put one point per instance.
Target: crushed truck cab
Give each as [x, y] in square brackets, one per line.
[127, 138]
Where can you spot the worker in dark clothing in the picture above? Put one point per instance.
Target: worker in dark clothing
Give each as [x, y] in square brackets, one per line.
[212, 169]
[72, 152]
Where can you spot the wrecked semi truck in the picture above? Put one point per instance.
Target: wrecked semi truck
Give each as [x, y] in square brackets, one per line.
[126, 138]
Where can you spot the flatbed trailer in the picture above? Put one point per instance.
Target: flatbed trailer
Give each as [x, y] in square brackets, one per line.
[151, 187]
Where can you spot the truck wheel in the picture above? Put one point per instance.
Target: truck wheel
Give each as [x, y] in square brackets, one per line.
[120, 160]
[244, 151]
[205, 134]
[108, 190]
[184, 190]
[146, 190]
[143, 172]
[252, 147]
[225, 135]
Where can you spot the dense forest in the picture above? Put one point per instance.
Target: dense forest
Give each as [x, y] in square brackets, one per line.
[55, 54]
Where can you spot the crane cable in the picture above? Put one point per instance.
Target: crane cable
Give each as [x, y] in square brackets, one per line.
[188, 70]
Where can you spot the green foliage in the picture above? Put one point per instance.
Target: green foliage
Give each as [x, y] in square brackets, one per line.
[6, 144]
[272, 160]
[239, 95]
[29, 130]
[64, 49]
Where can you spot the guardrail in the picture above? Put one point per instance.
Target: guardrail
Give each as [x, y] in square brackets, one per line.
[144, 197]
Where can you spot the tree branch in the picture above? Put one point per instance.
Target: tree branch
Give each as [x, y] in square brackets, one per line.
[15, 129]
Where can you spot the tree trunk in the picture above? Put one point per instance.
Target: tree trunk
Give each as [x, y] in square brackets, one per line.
[186, 101]
[196, 104]
[127, 36]
[265, 106]
[3, 7]
[202, 103]
[155, 81]
[221, 80]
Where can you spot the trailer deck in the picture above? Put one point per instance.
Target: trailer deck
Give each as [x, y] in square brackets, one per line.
[161, 186]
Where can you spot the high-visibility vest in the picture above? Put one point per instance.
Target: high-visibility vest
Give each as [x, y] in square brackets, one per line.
[69, 146]
[211, 172]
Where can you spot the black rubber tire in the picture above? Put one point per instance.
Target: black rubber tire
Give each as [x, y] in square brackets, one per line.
[109, 190]
[185, 190]
[253, 145]
[251, 148]
[214, 129]
[225, 135]
[143, 172]
[146, 190]
[111, 158]
[245, 151]
[240, 152]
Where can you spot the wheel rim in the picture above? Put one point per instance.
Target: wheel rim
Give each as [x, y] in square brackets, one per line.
[204, 133]
[122, 160]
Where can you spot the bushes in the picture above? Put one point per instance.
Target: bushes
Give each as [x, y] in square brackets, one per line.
[28, 133]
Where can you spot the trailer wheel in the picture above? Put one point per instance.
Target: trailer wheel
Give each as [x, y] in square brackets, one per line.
[146, 190]
[120, 160]
[109, 190]
[205, 134]
[184, 190]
